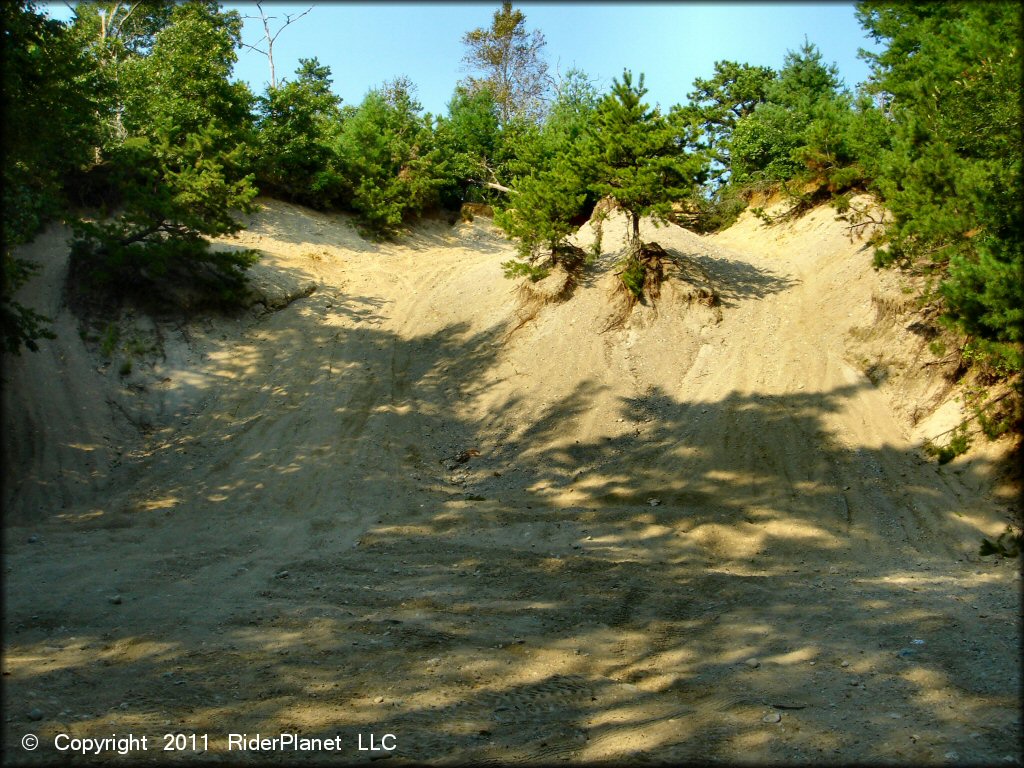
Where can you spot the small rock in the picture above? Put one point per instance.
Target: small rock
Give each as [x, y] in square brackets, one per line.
[281, 575]
[845, 664]
[654, 502]
[36, 714]
[33, 539]
[772, 717]
[379, 700]
[752, 663]
[116, 600]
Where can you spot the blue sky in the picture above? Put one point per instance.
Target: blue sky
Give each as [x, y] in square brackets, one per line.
[366, 44]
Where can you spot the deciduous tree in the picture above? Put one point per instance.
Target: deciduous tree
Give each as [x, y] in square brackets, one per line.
[511, 61]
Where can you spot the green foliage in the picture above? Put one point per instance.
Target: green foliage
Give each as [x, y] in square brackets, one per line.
[633, 276]
[719, 103]
[111, 34]
[999, 360]
[515, 269]
[640, 161]
[555, 170]
[390, 162]
[949, 76]
[49, 104]
[20, 326]
[542, 209]
[469, 139]
[510, 59]
[181, 170]
[959, 443]
[801, 125]
[108, 341]
[717, 211]
[160, 102]
[762, 145]
[297, 129]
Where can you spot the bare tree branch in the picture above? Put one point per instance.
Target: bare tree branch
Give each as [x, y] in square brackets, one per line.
[270, 37]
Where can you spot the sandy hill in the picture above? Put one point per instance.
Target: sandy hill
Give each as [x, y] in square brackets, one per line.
[400, 491]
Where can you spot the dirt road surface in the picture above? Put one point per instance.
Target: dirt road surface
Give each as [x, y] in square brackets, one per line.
[393, 499]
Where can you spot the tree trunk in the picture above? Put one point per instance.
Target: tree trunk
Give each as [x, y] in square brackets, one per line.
[634, 236]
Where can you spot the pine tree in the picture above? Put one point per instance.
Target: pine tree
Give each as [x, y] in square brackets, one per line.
[553, 169]
[719, 103]
[540, 214]
[950, 78]
[183, 167]
[297, 128]
[641, 163]
[389, 159]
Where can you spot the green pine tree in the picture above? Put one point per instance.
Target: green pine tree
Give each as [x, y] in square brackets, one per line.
[183, 167]
[642, 165]
[949, 76]
[540, 215]
[391, 165]
[297, 128]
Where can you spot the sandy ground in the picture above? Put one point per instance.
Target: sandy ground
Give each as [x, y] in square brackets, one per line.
[392, 499]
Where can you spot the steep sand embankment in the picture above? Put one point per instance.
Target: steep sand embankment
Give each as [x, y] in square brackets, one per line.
[393, 505]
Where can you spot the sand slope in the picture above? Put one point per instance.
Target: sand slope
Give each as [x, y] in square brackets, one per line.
[393, 497]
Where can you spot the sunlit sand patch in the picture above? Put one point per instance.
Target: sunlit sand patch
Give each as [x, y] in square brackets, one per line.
[85, 652]
[80, 517]
[153, 505]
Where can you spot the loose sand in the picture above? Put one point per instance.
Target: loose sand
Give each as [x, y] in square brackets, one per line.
[392, 498]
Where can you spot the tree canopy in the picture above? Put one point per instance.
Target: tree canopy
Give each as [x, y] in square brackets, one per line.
[510, 60]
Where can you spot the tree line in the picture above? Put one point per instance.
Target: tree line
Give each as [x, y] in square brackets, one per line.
[129, 112]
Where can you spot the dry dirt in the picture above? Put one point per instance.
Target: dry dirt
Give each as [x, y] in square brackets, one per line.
[393, 499]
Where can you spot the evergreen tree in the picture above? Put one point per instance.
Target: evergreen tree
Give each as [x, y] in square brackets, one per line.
[642, 165]
[182, 169]
[541, 210]
[640, 162]
[390, 162]
[297, 129]
[553, 170]
[719, 103]
[950, 78]
[50, 126]
[469, 138]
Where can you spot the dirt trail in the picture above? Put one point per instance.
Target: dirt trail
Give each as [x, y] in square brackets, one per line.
[385, 508]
